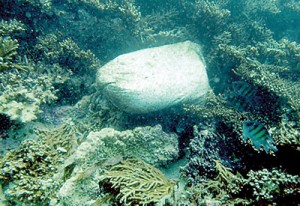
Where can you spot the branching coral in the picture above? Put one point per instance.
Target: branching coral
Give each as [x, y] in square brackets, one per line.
[64, 138]
[78, 65]
[272, 185]
[53, 48]
[216, 108]
[27, 172]
[138, 183]
[22, 93]
[27, 168]
[263, 186]
[11, 27]
[24, 84]
[8, 54]
[115, 7]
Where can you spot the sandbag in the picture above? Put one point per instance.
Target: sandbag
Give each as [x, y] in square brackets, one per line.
[157, 78]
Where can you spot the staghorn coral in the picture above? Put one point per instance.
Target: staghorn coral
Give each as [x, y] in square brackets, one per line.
[25, 85]
[267, 76]
[216, 108]
[114, 7]
[278, 75]
[161, 28]
[53, 48]
[206, 18]
[27, 6]
[78, 64]
[65, 138]
[137, 182]
[8, 53]
[288, 134]
[96, 113]
[11, 27]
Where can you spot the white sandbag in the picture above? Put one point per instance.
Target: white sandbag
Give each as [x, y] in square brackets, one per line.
[156, 78]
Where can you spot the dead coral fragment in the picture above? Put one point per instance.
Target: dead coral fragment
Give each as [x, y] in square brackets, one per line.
[138, 182]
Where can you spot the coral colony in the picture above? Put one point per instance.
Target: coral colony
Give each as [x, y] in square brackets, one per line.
[167, 103]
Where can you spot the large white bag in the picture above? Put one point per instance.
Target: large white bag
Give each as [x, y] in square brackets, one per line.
[156, 78]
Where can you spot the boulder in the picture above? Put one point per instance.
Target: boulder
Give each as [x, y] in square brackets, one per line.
[157, 78]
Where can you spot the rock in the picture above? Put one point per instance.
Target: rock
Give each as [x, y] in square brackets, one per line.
[153, 79]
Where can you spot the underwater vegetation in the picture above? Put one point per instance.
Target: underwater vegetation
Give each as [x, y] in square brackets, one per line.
[149, 185]
[65, 138]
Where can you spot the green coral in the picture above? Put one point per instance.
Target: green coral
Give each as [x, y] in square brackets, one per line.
[8, 54]
[11, 27]
[137, 182]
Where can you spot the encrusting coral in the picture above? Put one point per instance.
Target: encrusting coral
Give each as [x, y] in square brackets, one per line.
[137, 182]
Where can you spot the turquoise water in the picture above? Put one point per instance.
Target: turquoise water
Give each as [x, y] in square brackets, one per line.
[68, 137]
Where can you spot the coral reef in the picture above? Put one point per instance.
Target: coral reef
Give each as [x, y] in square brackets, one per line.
[49, 51]
[262, 186]
[272, 185]
[26, 173]
[26, 169]
[78, 65]
[137, 182]
[8, 53]
[12, 27]
[151, 144]
[23, 92]
[96, 113]
[25, 85]
[205, 148]
[106, 148]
